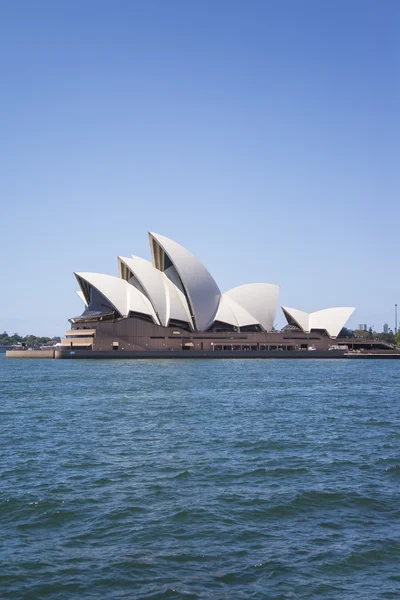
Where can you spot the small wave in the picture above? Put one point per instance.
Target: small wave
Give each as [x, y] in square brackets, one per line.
[321, 499]
[309, 502]
[182, 475]
[103, 481]
[181, 515]
[386, 553]
[394, 469]
[268, 445]
[128, 511]
[195, 515]
[277, 471]
[378, 423]
[331, 525]
[167, 592]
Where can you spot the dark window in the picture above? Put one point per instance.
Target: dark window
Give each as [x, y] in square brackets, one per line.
[141, 316]
[219, 326]
[249, 328]
[179, 324]
[215, 337]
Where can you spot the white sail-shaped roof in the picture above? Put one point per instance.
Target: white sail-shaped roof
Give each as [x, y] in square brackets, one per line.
[202, 292]
[177, 306]
[232, 313]
[168, 301]
[297, 317]
[260, 300]
[150, 280]
[331, 320]
[119, 293]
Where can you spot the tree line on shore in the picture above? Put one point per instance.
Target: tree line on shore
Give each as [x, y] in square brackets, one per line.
[389, 337]
[28, 340]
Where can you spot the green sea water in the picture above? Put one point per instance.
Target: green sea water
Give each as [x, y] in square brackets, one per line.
[257, 479]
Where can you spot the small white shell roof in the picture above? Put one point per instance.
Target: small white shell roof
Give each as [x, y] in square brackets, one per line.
[260, 300]
[332, 320]
[122, 295]
[232, 313]
[201, 289]
[299, 317]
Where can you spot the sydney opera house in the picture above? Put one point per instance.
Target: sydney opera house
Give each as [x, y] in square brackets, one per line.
[173, 304]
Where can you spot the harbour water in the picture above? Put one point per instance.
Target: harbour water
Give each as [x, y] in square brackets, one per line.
[199, 479]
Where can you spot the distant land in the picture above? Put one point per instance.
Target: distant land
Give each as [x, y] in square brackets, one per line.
[7, 340]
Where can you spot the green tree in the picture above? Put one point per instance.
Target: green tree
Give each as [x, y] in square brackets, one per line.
[30, 340]
[42, 340]
[386, 337]
[361, 333]
[4, 339]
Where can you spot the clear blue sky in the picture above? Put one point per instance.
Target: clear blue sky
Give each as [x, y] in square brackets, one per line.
[264, 136]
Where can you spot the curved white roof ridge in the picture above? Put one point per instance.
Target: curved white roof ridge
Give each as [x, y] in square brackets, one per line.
[225, 312]
[123, 296]
[81, 296]
[260, 300]
[232, 313]
[177, 306]
[202, 291]
[151, 281]
[301, 318]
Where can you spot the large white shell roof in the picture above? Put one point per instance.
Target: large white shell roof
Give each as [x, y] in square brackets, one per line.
[200, 288]
[260, 300]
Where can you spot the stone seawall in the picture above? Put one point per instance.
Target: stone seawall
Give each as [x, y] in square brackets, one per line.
[197, 354]
[33, 354]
